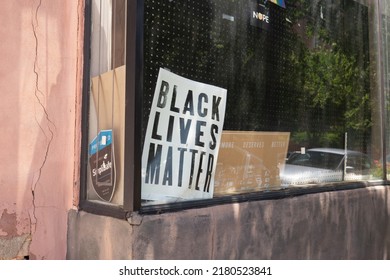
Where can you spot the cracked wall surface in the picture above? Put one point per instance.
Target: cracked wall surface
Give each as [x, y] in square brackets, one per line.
[40, 89]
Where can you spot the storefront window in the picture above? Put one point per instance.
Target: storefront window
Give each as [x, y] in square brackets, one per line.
[254, 96]
[233, 97]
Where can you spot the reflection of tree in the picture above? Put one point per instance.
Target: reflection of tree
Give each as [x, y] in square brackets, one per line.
[331, 70]
[334, 86]
[307, 74]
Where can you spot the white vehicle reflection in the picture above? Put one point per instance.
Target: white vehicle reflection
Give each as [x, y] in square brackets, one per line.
[324, 165]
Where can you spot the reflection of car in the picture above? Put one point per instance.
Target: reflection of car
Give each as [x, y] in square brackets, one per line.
[292, 154]
[325, 165]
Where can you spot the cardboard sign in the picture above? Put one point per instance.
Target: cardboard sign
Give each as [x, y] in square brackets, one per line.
[250, 161]
[182, 139]
[102, 165]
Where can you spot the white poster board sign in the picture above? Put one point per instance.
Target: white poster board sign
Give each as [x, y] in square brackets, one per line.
[182, 139]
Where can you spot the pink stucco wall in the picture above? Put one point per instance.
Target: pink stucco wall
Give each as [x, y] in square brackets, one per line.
[40, 90]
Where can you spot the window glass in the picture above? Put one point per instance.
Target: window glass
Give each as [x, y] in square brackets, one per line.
[106, 108]
[247, 96]
[385, 32]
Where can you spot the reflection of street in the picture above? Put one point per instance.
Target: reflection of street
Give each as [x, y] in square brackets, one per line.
[325, 165]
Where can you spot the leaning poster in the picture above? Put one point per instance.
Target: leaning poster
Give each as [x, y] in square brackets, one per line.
[182, 139]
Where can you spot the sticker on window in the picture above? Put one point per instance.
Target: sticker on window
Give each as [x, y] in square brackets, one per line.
[102, 165]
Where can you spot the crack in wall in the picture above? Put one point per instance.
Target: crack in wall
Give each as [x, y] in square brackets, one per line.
[49, 134]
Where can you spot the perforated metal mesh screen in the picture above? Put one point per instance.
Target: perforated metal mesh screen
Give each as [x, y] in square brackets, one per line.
[264, 68]
[213, 42]
[305, 69]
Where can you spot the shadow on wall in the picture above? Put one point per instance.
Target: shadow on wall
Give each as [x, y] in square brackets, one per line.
[332, 225]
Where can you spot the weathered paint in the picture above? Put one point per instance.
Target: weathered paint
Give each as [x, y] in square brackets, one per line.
[40, 89]
[334, 225]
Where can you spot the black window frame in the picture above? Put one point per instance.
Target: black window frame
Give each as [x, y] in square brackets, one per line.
[133, 130]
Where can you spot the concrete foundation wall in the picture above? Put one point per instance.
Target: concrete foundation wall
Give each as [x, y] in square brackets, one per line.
[335, 225]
